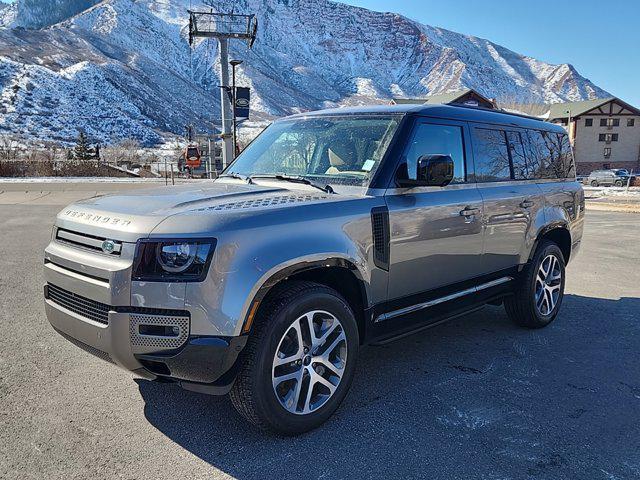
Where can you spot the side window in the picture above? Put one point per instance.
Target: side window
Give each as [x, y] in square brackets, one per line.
[567, 156]
[430, 139]
[539, 154]
[491, 155]
[556, 167]
[518, 157]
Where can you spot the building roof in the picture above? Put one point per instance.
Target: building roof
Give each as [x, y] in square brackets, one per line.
[562, 110]
[442, 98]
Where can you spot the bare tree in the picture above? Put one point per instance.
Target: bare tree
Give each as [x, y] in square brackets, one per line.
[9, 147]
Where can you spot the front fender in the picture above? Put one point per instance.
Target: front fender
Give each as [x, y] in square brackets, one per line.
[246, 260]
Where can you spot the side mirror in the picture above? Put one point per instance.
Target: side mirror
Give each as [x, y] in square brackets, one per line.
[432, 171]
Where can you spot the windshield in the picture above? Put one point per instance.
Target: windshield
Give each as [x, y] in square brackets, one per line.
[343, 150]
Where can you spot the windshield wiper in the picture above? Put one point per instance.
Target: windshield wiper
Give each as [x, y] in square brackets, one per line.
[238, 176]
[295, 179]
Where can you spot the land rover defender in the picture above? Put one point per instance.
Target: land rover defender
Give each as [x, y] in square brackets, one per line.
[332, 230]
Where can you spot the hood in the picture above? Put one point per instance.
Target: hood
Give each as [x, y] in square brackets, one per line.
[129, 215]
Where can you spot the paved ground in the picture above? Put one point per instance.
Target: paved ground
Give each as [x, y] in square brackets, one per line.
[475, 398]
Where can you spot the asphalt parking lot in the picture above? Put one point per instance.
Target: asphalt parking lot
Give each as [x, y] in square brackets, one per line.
[474, 398]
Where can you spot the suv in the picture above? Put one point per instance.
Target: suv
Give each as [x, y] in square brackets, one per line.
[332, 230]
[608, 177]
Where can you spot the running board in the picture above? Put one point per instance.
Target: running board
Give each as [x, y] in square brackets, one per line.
[438, 301]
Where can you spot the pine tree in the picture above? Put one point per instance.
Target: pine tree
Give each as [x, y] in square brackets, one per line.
[81, 151]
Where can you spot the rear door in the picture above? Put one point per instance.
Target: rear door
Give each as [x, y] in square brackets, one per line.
[512, 202]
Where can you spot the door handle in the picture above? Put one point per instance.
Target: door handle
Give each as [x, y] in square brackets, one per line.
[469, 212]
[527, 204]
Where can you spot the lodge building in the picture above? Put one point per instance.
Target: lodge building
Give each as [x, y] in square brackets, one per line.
[605, 133]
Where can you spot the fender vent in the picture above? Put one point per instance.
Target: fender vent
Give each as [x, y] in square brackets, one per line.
[381, 238]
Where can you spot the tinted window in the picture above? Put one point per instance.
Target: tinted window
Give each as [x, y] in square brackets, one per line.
[431, 139]
[566, 154]
[518, 156]
[539, 153]
[491, 155]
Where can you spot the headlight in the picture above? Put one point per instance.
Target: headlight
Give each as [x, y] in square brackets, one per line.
[173, 260]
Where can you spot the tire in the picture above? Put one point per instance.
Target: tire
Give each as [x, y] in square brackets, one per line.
[534, 304]
[594, 183]
[618, 183]
[260, 395]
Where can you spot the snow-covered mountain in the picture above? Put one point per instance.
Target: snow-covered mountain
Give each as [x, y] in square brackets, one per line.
[123, 68]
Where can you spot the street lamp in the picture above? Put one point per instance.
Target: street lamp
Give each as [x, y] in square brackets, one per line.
[234, 64]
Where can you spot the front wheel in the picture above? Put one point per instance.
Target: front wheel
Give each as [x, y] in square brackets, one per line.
[540, 290]
[300, 360]
[594, 183]
[618, 183]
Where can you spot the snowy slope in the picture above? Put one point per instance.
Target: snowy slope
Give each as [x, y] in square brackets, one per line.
[123, 68]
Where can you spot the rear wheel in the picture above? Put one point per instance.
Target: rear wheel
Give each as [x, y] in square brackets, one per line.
[540, 291]
[300, 360]
[618, 183]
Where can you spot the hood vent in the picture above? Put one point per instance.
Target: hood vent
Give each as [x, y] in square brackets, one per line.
[266, 202]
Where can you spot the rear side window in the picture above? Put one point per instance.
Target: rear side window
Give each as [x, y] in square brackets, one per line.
[431, 139]
[540, 152]
[491, 155]
[567, 156]
[518, 156]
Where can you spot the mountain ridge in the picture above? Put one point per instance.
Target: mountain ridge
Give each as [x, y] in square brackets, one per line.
[123, 68]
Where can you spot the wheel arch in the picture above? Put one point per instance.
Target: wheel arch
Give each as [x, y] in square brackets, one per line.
[340, 274]
[559, 234]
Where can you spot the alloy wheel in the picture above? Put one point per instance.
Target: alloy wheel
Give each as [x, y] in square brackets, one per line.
[309, 362]
[548, 284]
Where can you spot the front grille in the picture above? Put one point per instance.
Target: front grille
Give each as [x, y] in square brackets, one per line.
[89, 242]
[85, 307]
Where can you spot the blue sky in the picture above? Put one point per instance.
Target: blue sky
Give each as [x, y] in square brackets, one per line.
[599, 38]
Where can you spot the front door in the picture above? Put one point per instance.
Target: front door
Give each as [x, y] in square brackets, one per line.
[436, 232]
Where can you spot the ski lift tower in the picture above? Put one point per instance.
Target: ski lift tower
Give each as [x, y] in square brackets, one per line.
[224, 26]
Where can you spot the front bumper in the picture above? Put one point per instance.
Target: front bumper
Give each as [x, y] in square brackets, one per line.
[201, 363]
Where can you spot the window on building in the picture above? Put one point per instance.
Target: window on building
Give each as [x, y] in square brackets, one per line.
[609, 122]
[607, 152]
[588, 122]
[431, 139]
[608, 137]
[631, 122]
[491, 155]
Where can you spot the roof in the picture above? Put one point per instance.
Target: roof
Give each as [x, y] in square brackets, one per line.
[451, 112]
[443, 98]
[561, 110]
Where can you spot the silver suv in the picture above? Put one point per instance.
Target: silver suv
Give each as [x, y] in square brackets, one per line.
[618, 178]
[332, 230]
